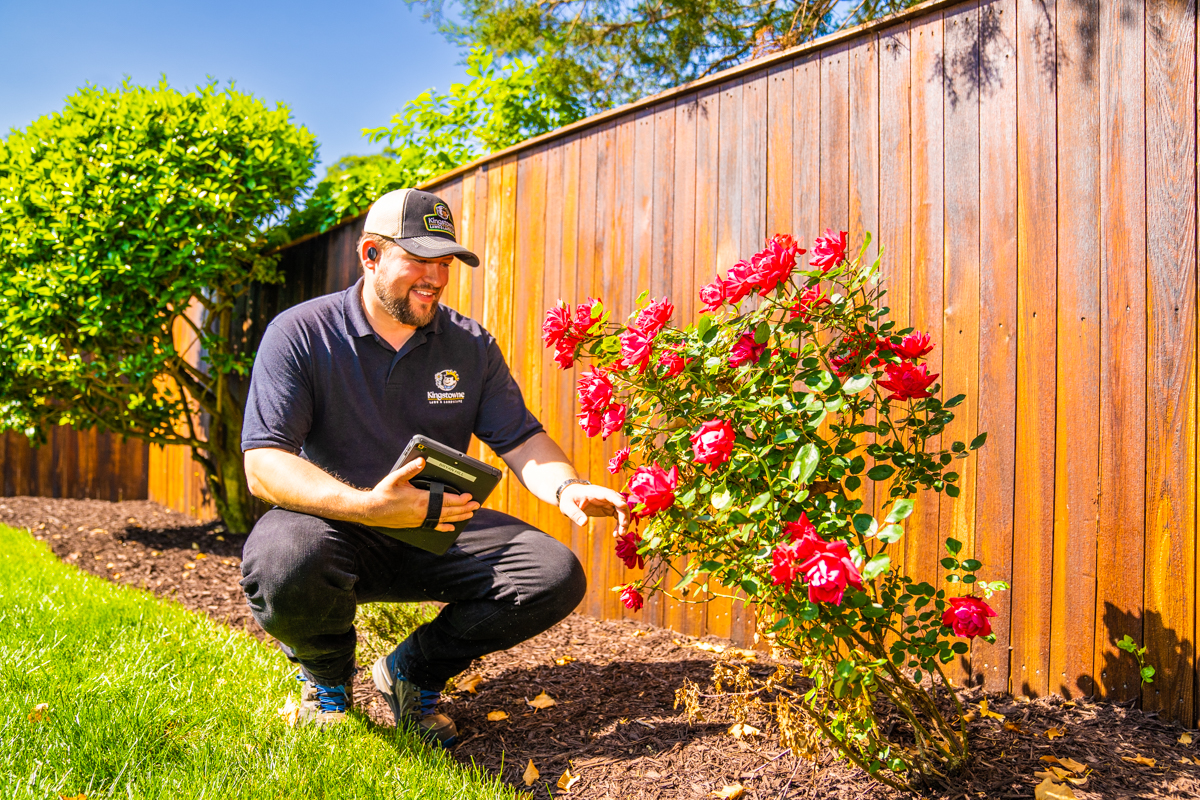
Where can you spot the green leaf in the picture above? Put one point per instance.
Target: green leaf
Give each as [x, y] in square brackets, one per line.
[881, 472]
[762, 333]
[750, 587]
[703, 324]
[900, 511]
[953, 401]
[970, 565]
[865, 524]
[878, 565]
[950, 563]
[721, 498]
[890, 533]
[686, 580]
[856, 384]
[759, 502]
[979, 441]
[805, 464]
[953, 546]
[1148, 674]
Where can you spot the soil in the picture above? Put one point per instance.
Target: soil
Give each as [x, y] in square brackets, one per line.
[614, 723]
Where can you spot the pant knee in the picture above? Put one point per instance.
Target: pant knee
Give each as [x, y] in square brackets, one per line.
[563, 582]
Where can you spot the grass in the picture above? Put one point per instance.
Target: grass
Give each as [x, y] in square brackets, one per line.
[148, 700]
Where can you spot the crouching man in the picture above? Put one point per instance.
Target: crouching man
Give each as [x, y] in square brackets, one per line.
[340, 385]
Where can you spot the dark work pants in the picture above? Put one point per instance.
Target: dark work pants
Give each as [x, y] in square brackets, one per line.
[503, 581]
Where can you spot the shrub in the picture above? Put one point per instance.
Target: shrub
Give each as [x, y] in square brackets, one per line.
[755, 430]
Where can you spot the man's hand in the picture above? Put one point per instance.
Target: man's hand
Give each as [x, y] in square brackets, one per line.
[582, 500]
[396, 503]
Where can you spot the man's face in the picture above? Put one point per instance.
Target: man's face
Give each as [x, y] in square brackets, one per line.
[409, 286]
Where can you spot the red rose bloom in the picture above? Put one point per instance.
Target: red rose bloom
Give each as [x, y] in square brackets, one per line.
[712, 295]
[627, 550]
[828, 572]
[586, 315]
[654, 317]
[915, 345]
[636, 349]
[631, 598]
[595, 390]
[775, 263]
[809, 301]
[786, 566]
[801, 529]
[713, 443]
[739, 282]
[653, 488]
[745, 351]
[907, 381]
[672, 362]
[564, 352]
[557, 324]
[617, 461]
[968, 617]
[590, 421]
[613, 420]
[829, 250]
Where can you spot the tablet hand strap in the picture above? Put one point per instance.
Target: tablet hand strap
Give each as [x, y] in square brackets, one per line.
[433, 516]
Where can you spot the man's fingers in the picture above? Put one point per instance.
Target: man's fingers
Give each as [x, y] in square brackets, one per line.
[406, 473]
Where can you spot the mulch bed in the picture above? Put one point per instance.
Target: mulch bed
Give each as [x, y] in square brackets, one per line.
[614, 682]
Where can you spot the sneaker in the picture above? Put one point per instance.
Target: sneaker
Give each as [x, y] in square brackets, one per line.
[413, 704]
[323, 705]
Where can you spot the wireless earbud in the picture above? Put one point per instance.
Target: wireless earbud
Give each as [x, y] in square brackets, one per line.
[372, 253]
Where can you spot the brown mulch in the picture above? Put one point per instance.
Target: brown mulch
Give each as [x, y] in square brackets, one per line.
[614, 682]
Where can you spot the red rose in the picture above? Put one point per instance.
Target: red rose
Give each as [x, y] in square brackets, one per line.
[775, 263]
[915, 345]
[654, 317]
[631, 598]
[564, 352]
[739, 282]
[590, 421]
[801, 529]
[627, 550]
[653, 489]
[828, 572]
[673, 362]
[613, 420]
[968, 617]
[745, 351]
[907, 382]
[713, 443]
[786, 566]
[636, 349]
[809, 301]
[595, 390]
[586, 315]
[617, 461]
[829, 250]
[712, 295]
[557, 324]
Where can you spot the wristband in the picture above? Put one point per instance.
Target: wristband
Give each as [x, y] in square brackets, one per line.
[565, 484]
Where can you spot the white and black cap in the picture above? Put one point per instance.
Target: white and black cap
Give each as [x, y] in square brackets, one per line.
[419, 222]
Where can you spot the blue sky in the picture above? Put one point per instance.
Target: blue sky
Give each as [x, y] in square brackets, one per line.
[340, 67]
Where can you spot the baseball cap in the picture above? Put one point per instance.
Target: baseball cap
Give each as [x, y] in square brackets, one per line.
[419, 222]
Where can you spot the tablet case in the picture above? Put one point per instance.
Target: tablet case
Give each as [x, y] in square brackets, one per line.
[445, 470]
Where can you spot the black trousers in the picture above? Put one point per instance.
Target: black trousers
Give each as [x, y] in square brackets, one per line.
[503, 582]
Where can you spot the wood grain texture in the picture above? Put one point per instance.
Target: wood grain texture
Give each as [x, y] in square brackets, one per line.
[922, 546]
[1170, 568]
[1077, 424]
[996, 462]
[1036, 340]
[960, 288]
[780, 117]
[806, 148]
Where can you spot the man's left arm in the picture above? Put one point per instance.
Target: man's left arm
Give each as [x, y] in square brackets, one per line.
[542, 467]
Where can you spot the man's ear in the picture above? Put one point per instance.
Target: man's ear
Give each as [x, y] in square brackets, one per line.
[369, 254]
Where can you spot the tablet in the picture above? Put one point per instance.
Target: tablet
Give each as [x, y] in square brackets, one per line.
[445, 470]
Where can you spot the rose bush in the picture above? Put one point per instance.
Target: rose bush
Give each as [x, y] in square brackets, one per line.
[755, 430]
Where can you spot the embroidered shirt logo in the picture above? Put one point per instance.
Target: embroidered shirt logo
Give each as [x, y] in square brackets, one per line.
[446, 380]
[440, 220]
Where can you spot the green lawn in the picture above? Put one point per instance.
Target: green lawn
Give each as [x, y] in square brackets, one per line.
[148, 700]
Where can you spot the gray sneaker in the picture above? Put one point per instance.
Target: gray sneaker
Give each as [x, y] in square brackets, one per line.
[411, 704]
[323, 705]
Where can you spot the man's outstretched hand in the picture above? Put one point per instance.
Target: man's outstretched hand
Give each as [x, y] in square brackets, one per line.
[396, 503]
[582, 500]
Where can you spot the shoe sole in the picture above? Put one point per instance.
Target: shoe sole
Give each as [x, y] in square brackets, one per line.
[386, 685]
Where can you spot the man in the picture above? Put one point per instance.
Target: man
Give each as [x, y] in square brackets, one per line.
[339, 386]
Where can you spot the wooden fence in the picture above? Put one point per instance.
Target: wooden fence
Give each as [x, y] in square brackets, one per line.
[1029, 167]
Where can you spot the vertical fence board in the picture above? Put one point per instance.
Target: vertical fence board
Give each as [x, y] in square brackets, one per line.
[806, 148]
[1077, 427]
[996, 465]
[586, 275]
[1036, 339]
[780, 117]
[1169, 620]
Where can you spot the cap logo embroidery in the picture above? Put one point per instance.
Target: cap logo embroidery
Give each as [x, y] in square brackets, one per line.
[439, 221]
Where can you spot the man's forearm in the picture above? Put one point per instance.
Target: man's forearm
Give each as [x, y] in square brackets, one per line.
[541, 465]
[291, 482]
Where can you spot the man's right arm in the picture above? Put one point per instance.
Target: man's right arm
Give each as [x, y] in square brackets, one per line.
[291, 482]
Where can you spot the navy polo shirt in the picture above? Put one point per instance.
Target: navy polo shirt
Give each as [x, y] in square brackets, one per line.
[326, 387]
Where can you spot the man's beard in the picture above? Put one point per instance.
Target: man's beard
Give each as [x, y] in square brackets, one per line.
[401, 310]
